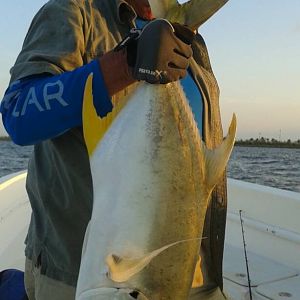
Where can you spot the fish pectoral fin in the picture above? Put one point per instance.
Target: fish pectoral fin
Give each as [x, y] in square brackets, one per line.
[121, 269]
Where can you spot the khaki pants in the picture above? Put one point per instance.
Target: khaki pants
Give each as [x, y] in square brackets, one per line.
[40, 287]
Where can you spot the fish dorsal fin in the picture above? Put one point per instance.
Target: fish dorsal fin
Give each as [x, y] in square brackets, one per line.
[217, 159]
[192, 13]
[121, 269]
[95, 127]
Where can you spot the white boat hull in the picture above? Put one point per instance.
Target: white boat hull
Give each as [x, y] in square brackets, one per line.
[15, 213]
[272, 233]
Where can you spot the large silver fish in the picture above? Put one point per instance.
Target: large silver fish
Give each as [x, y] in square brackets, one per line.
[152, 180]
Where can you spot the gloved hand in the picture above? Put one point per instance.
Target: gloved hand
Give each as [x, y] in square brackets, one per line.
[161, 53]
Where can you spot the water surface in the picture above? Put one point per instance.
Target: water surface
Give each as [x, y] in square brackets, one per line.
[276, 167]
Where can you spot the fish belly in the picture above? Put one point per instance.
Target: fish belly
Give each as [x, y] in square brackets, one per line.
[149, 192]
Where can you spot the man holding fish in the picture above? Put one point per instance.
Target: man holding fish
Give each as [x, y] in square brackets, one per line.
[66, 42]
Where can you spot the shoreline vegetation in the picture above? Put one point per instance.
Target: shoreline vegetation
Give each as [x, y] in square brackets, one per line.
[268, 143]
[261, 142]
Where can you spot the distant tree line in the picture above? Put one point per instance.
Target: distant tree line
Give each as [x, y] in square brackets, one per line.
[258, 142]
[266, 142]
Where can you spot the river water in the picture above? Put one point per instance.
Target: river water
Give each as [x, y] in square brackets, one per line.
[276, 167]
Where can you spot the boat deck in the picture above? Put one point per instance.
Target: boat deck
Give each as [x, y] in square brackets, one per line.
[269, 279]
[272, 235]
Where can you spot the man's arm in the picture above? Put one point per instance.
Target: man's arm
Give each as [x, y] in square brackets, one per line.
[39, 108]
[44, 98]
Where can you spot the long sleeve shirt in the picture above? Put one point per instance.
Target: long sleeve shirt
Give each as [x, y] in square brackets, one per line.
[43, 107]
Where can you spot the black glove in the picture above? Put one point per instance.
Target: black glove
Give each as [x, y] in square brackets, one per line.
[161, 53]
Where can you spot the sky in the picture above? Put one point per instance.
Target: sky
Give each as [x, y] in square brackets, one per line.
[254, 48]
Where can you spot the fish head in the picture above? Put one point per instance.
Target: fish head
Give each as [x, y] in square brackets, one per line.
[192, 13]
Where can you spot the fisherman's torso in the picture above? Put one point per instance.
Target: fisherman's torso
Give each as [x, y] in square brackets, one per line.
[59, 181]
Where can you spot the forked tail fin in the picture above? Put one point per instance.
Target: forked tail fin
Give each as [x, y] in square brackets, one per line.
[160, 8]
[192, 13]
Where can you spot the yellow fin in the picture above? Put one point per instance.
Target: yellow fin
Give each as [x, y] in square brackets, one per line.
[95, 127]
[121, 269]
[198, 275]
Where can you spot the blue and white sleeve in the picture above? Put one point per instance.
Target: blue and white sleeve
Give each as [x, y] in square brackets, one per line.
[36, 109]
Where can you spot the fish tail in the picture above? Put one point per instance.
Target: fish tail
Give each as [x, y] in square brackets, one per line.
[192, 13]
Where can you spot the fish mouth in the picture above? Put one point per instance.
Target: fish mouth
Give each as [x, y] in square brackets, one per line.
[138, 295]
[113, 293]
